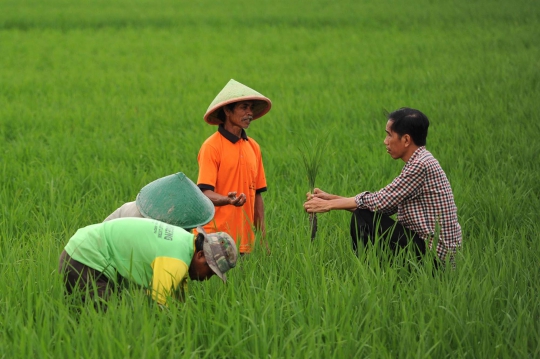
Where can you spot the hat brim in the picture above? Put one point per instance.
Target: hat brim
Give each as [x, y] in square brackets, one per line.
[260, 108]
[210, 256]
[212, 262]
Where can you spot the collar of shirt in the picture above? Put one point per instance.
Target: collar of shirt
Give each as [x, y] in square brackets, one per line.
[229, 136]
[417, 153]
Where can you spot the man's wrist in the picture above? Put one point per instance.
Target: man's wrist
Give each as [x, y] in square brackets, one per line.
[358, 200]
[331, 204]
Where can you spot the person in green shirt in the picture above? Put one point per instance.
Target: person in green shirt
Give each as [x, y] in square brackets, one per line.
[152, 254]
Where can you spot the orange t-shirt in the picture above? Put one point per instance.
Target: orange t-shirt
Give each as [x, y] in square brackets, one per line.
[231, 164]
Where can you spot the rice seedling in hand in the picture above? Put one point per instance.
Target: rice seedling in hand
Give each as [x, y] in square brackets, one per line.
[312, 154]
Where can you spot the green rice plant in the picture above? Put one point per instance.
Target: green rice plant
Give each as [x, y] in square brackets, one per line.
[312, 156]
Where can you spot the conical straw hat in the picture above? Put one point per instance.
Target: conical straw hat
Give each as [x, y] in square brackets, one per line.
[234, 91]
[176, 200]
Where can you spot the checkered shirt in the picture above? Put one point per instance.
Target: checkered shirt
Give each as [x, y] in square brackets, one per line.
[422, 197]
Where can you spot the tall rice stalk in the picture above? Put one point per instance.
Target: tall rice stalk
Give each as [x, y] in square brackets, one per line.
[311, 155]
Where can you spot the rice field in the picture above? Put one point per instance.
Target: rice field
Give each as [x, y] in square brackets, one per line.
[98, 98]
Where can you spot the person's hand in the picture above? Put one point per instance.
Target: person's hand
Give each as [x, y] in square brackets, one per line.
[318, 193]
[236, 201]
[316, 205]
[264, 242]
[266, 246]
[310, 195]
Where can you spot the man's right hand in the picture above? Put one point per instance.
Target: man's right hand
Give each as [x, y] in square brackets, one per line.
[236, 201]
[318, 193]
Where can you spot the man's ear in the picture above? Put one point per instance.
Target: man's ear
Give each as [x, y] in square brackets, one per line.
[406, 140]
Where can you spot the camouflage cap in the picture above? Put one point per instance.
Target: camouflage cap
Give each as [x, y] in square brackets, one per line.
[220, 252]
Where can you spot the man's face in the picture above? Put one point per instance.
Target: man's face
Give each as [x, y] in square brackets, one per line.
[199, 268]
[242, 115]
[395, 145]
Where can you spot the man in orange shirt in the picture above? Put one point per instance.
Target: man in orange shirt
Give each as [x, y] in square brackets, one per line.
[231, 172]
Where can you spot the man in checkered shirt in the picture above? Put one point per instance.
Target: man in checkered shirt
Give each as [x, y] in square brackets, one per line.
[421, 196]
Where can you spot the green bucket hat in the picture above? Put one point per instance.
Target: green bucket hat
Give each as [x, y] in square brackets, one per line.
[220, 252]
[234, 91]
[176, 200]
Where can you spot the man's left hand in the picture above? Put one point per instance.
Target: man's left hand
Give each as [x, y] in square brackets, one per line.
[316, 205]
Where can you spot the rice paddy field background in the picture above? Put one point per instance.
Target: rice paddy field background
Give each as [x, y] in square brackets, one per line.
[99, 98]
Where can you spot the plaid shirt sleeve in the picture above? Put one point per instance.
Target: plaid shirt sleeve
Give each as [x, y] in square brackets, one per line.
[407, 185]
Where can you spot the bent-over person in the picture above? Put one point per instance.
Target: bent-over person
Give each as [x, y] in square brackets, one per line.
[154, 255]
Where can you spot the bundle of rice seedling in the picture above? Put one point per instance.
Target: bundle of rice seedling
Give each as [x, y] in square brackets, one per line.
[311, 155]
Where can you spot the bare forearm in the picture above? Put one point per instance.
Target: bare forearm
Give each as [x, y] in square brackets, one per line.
[319, 205]
[346, 203]
[334, 196]
[259, 220]
[317, 192]
[259, 214]
[220, 200]
[217, 199]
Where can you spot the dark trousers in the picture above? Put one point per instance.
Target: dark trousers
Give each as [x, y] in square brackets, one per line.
[82, 278]
[366, 225]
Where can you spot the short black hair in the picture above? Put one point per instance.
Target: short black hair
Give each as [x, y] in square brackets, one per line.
[408, 121]
[221, 112]
[199, 241]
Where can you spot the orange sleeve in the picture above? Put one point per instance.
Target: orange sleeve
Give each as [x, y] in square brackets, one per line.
[209, 159]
